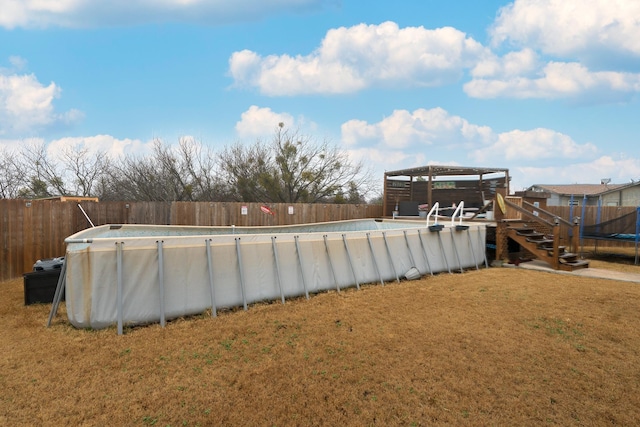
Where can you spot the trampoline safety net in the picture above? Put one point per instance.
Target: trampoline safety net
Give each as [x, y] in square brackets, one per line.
[617, 227]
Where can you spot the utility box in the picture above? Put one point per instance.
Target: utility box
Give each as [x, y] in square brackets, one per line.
[40, 286]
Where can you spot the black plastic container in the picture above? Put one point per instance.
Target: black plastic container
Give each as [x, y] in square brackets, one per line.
[40, 286]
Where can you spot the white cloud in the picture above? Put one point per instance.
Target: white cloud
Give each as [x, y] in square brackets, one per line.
[92, 13]
[15, 145]
[537, 144]
[557, 80]
[416, 130]
[513, 64]
[259, 122]
[17, 62]
[107, 144]
[389, 159]
[571, 28]
[26, 105]
[621, 170]
[595, 46]
[410, 139]
[350, 59]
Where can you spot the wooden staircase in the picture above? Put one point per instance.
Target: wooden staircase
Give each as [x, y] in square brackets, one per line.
[546, 248]
[538, 234]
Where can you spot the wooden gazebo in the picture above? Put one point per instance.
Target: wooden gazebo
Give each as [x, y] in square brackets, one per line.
[406, 189]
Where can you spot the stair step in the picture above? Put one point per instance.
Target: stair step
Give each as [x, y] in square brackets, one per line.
[570, 266]
[530, 237]
[528, 232]
[568, 255]
[569, 258]
[541, 241]
[561, 250]
[546, 247]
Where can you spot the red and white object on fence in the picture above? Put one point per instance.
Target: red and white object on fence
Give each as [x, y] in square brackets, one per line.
[266, 209]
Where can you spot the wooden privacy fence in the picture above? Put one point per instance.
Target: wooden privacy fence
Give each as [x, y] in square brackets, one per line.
[607, 213]
[32, 230]
[36, 229]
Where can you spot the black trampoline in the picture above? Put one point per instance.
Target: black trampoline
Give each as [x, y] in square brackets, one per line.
[625, 228]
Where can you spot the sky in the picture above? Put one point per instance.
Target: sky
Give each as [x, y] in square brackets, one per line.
[546, 88]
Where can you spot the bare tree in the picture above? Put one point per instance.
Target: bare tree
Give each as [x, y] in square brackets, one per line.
[44, 176]
[84, 169]
[293, 168]
[245, 169]
[12, 175]
[199, 164]
[185, 172]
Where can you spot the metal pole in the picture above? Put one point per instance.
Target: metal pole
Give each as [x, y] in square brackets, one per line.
[333, 272]
[471, 248]
[483, 245]
[637, 232]
[214, 309]
[444, 255]
[455, 251]
[353, 271]
[275, 257]
[160, 243]
[584, 207]
[304, 283]
[424, 253]
[57, 296]
[373, 255]
[86, 216]
[244, 296]
[406, 240]
[386, 244]
[119, 287]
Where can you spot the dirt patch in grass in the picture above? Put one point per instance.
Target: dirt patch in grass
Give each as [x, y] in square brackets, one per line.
[497, 346]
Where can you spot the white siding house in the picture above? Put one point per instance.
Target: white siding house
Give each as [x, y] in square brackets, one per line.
[607, 194]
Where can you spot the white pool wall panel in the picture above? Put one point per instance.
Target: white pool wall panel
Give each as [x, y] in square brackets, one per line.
[92, 264]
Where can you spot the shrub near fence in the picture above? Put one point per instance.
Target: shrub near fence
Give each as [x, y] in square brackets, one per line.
[36, 229]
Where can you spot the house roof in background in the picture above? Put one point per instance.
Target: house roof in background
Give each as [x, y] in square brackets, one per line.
[582, 189]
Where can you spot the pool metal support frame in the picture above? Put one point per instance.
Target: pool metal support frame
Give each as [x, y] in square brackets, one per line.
[406, 240]
[424, 252]
[214, 309]
[353, 271]
[333, 271]
[455, 251]
[277, 262]
[444, 255]
[159, 244]
[373, 256]
[119, 287]
[304, 282]
[475, 261]
[483, 245]
[57, 296]
[386, 244]
[240, 269]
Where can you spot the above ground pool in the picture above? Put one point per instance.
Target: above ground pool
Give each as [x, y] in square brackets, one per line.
[135, 274]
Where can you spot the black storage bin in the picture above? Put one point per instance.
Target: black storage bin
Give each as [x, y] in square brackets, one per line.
[40, 286]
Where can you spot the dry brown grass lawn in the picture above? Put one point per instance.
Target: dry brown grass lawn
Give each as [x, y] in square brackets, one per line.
[499, 346]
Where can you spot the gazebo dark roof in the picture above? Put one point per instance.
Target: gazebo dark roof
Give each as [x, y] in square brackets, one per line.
[437, 170]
